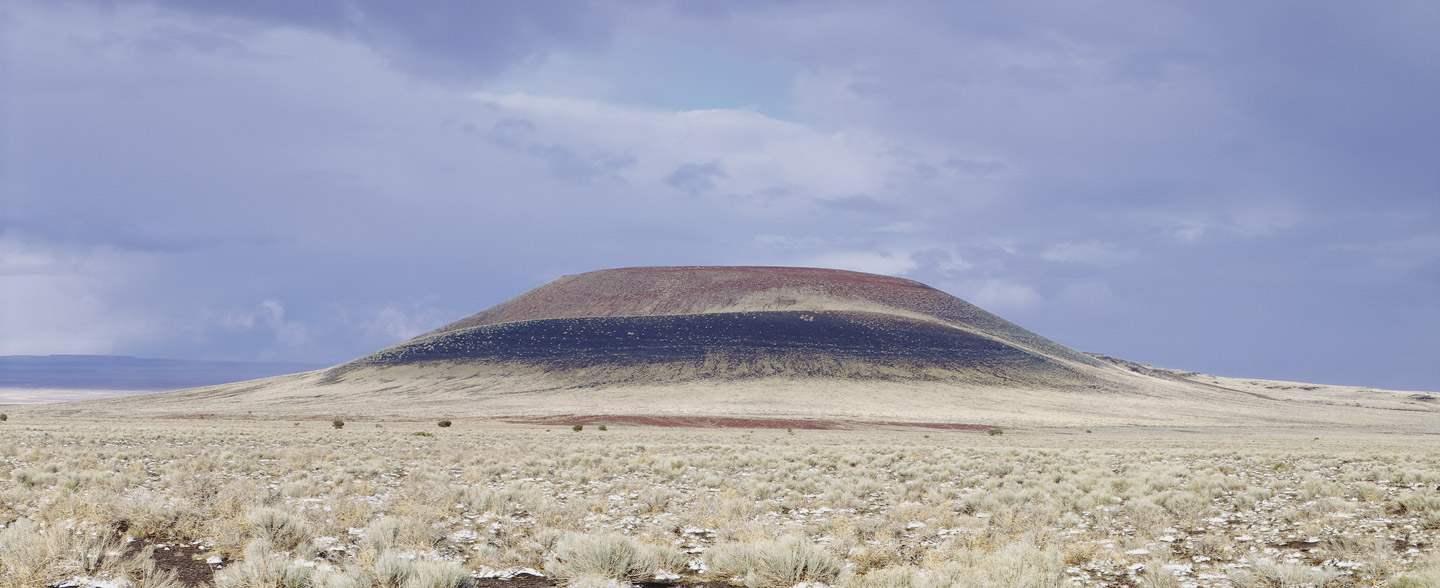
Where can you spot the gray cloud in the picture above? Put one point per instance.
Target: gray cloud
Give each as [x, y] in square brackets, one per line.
[696, 178]
[453, 39]
[562, 162]
[510, 133]
[859, 203]
[568, 165]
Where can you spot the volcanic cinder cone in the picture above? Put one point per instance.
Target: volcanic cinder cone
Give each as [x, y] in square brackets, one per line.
[675, 325]
[754, 342]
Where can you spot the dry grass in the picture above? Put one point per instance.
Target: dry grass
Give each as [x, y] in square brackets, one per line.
[374, 505]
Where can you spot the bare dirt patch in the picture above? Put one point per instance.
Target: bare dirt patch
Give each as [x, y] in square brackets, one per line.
[187, 561]
[533, 582]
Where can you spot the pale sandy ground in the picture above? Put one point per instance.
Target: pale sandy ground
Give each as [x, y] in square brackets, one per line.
[14, 396]
[1131, 400]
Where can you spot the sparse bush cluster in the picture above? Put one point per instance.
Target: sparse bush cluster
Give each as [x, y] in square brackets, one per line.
[775, 564]
[299, 506]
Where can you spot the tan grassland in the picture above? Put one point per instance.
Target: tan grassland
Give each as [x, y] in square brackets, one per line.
[409, 504]
[1148, 397]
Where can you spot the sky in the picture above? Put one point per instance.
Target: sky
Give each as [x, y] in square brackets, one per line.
[1247, 189]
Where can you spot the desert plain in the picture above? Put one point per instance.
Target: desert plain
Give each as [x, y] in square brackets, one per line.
[177, 502]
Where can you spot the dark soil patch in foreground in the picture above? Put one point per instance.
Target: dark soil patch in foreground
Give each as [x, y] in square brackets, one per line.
[706, 422]
[187, 561]
[533, 582]
[518, 582]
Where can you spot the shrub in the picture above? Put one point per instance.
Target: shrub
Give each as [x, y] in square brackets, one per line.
[1266, 573]
[783, 562]
[4, 417]
[337, 423]
[444, 424]
[389, 569]
[1426, 574]
[602, 428]
[278, 528]
[577, 428]
[261, 566]
[30, 556]
[380, 535]
[894, 577]
[610, 556]
[422, 434]
[596, 582]
[994, 432]
[439, 574]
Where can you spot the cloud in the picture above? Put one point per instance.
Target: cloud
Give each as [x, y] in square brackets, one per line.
[1091, 252]
[858, 203]
[583, 165]
[900, 227]
[707, 151]
[510, 133]
[1090, 296]
[395, 324]
[439, 38]
[1000, 295]
[582, 168]
[1250, 220]
[696, 178]
[800, 243]
[945, 261]
[974, 167]
[875, 262]
[269, 316]
[58, 298]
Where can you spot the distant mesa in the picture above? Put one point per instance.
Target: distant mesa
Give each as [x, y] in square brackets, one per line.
[752, 342]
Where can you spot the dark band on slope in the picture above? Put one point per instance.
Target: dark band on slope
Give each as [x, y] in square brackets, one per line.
[822, 338]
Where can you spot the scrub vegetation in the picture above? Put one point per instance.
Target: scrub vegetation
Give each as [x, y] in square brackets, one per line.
[242, 504]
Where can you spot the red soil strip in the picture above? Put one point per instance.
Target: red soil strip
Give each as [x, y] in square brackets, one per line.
[710, 422]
